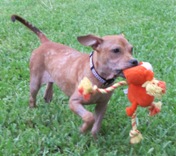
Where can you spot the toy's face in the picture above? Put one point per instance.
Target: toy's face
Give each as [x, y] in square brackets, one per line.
[147, 65]
[139, 75]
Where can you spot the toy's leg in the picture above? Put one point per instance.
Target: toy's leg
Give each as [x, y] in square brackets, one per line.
[135, 135]
[130, 110]
[155, 108]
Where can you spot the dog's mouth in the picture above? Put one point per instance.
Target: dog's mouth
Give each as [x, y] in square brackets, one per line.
[119, 72]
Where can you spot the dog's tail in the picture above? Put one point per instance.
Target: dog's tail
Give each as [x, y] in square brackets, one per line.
[41, 36]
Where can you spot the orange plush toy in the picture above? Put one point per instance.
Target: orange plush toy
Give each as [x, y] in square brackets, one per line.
[143, 88]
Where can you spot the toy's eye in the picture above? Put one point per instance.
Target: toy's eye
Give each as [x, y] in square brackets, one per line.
[116, 50]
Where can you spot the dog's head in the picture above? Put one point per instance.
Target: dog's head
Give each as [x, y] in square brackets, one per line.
[112, 54]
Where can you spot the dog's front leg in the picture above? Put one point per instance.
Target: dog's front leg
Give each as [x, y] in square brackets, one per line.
[87, 117]
[99, 114]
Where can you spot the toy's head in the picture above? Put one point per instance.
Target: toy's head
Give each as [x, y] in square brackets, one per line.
[138, 75]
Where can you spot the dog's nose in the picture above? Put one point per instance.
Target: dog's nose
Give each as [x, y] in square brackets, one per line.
[134, 62]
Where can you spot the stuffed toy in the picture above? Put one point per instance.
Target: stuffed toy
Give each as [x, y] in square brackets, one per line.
[143, 88]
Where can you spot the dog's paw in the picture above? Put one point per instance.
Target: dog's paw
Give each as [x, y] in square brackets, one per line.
[32, 102]
[94, 134]
[48, 97]
[84, 128]
[88, 122]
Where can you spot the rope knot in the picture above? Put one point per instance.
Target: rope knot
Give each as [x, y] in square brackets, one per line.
[135, 136]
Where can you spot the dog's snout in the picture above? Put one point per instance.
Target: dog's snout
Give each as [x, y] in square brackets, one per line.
[134, 62]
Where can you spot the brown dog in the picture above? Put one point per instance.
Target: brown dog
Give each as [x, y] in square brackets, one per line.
[57, 63]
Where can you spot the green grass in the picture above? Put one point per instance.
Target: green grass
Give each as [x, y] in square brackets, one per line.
[53, 129]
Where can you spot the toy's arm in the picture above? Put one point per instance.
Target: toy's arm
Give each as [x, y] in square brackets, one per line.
[86, 88]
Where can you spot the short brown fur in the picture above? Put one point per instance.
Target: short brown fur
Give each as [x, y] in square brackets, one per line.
[57, 63]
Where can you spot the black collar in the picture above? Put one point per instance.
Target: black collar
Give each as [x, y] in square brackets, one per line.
[94, 72]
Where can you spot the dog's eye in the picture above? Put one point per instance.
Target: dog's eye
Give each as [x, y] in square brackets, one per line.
[117, 50]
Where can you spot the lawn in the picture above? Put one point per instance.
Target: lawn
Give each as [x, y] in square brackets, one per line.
[53, 129]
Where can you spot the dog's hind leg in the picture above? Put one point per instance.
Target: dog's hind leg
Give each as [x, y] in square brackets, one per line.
[48, 92]
[35, 85]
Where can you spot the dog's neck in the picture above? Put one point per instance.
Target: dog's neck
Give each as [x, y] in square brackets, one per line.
[100, 76]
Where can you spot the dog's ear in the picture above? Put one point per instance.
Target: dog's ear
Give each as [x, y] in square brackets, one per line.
[90, 40]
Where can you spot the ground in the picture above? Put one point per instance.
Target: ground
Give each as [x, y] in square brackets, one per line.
[53, 129]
